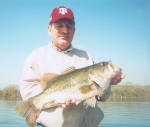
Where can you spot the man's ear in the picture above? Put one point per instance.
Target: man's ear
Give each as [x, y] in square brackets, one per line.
[49, 29]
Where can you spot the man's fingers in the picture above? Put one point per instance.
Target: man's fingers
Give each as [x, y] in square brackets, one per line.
[63, 105]
[68, 103]
[117, 78]
[122, 76]
[73, 101]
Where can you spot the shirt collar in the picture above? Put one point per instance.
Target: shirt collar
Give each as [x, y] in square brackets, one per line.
[62, 51]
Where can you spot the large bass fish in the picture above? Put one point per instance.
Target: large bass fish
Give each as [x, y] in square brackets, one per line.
[78, 84]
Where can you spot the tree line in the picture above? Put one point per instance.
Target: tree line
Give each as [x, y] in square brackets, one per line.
[127, 91]
[10, 92]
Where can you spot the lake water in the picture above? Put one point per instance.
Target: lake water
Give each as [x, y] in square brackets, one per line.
[117, 114]
[126, 114]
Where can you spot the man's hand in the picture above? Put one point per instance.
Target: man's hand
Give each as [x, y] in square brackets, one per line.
[117, 78]
[68, 102]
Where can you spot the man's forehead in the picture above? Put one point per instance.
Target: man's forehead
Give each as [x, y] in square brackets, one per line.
[66, 21]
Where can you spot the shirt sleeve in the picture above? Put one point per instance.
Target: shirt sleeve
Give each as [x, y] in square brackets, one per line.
[30, 80]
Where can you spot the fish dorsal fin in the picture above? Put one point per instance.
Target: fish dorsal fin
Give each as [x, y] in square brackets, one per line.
[46, 78]
[68, 70]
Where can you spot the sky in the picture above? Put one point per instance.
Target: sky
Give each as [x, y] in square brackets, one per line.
[116, 30]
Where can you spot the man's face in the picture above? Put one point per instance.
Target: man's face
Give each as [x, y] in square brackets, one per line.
[62, 33]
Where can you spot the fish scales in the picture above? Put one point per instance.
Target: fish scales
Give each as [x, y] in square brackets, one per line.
[80, 84]
[72, 79]
[66, 82]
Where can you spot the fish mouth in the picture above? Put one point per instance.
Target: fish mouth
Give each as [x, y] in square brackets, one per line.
[98, 98]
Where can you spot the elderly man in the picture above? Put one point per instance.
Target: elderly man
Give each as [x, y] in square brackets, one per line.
[56, 57]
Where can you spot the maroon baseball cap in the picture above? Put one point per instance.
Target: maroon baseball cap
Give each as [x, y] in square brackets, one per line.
[61, 12]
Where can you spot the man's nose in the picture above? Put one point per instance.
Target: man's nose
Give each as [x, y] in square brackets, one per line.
[65, 29]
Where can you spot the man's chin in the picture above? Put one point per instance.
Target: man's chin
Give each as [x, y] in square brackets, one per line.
[64, 42]
[64, 45]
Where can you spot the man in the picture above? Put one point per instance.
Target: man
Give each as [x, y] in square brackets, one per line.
[57, 57]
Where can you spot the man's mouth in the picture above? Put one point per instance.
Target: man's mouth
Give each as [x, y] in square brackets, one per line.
[64, 37]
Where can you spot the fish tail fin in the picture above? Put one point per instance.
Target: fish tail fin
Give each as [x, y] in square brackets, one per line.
[90, 102]
[23, 108]
[26, 109]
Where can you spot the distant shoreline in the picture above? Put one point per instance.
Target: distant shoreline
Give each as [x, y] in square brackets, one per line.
[125, 92]
[10, 92]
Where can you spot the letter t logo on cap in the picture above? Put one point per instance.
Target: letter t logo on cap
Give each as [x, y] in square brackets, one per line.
[63, 11]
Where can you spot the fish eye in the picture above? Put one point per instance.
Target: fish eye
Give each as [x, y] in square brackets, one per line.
[103, 63]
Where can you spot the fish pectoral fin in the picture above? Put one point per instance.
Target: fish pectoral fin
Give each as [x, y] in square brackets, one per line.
[49, 104]
[68, 70]
[27, 110]
[46, 78]
[90, 102]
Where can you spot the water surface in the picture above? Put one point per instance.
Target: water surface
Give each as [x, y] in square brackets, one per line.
[126, 114]
[117, 114]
